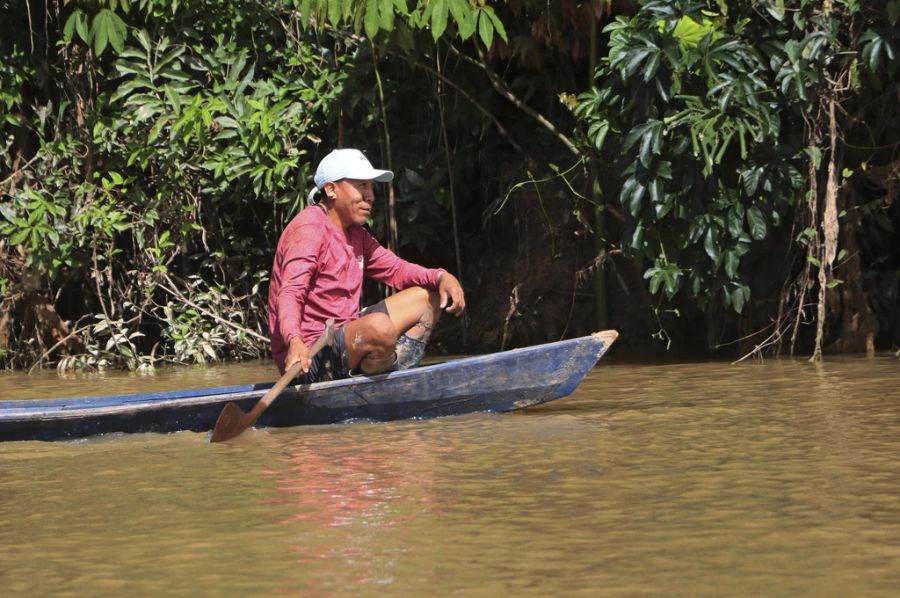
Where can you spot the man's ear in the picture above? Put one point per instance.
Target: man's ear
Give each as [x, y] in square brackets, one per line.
[329, 189]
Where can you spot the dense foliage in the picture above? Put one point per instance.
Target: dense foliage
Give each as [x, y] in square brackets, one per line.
[152, 151]
[698, 140]
[169, 154]
[721, 119]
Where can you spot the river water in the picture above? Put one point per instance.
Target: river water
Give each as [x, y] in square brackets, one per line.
[701, 479]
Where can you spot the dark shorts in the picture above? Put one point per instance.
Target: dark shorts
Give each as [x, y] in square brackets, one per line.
[332, 362]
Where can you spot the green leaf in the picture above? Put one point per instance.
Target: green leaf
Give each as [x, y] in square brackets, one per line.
[8, 212]
[750, 179]
[69, 27]
[109, 28]
[81, 26]
[118, 32]
[334, 12]
[401, 7]
[632, 194]
[439, 18]
[664, 206]
[732, 261]
[468, 25]
[872, 51]
[690, 33]
[672, 282]
[664, 170]
[597, 132]
[371, 20]
[651, 66]
[735, 222]
[485, 29]
[497, 23]
[739, 297]
[636, 132]
[656, 193]
[757, 223]
[386, 13]
[459, 9]
[709, 245]
[637, 238]
[777, 10]
[634, 59]
[646, 154]
[19, 236]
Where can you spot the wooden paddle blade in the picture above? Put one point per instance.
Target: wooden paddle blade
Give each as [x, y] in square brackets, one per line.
[232, 421]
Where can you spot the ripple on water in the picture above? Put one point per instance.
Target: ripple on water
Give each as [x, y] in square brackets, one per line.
[704, 478]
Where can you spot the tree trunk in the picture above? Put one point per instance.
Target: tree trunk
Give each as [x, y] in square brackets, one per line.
[829, 230]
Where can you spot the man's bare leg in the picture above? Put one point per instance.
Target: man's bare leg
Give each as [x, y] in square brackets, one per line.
[369, 342]
[372, 339]
[414, 312]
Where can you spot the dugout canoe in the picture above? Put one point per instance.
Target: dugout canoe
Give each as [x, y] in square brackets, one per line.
[497, 382]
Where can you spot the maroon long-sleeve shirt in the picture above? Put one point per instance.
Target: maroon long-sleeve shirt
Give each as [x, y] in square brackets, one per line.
[318, 273]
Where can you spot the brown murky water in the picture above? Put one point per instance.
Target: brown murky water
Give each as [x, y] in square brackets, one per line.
[779, 479]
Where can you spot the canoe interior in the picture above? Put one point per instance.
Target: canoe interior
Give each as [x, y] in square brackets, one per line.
[490, 383]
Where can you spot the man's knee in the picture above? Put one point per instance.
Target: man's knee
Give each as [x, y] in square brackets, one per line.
[425, 296]
[380, 332]
[374, 349]
[432, 297]
[430, 302]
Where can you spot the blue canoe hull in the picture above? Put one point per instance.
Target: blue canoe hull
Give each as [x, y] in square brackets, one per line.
[491, 383]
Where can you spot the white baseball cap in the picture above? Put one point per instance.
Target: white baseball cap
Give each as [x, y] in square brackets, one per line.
[348, 164]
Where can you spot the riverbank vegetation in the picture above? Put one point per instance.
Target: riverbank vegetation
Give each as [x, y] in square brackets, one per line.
[709, 177]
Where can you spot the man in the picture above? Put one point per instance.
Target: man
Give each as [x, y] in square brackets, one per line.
[320, 262]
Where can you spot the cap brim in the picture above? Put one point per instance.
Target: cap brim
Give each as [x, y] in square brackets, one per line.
[380, 176]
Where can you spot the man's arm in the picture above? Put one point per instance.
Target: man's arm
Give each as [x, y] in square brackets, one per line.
[299, 263]
[386, 266]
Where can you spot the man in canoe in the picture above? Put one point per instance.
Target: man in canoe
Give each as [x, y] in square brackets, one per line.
[320, 262]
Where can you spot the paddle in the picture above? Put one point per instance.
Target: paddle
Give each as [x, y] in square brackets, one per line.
[232, 421]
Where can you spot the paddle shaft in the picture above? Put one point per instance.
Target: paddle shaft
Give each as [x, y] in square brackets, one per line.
[232, 420]
[290, 373]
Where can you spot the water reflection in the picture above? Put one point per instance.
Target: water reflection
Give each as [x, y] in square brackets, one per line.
[338, 485]
[342, 494]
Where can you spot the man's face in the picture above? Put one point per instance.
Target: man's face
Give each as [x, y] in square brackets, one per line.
[353, 200]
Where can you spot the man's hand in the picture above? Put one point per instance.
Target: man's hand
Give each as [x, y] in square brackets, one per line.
[453, 299]
[297, 351]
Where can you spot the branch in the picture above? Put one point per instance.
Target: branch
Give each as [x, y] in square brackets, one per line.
[18, 172]
[59, 343]
[475, 103]
[503, 90]
[175, 293]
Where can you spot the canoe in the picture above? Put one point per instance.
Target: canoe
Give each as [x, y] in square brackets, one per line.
[489, 383]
